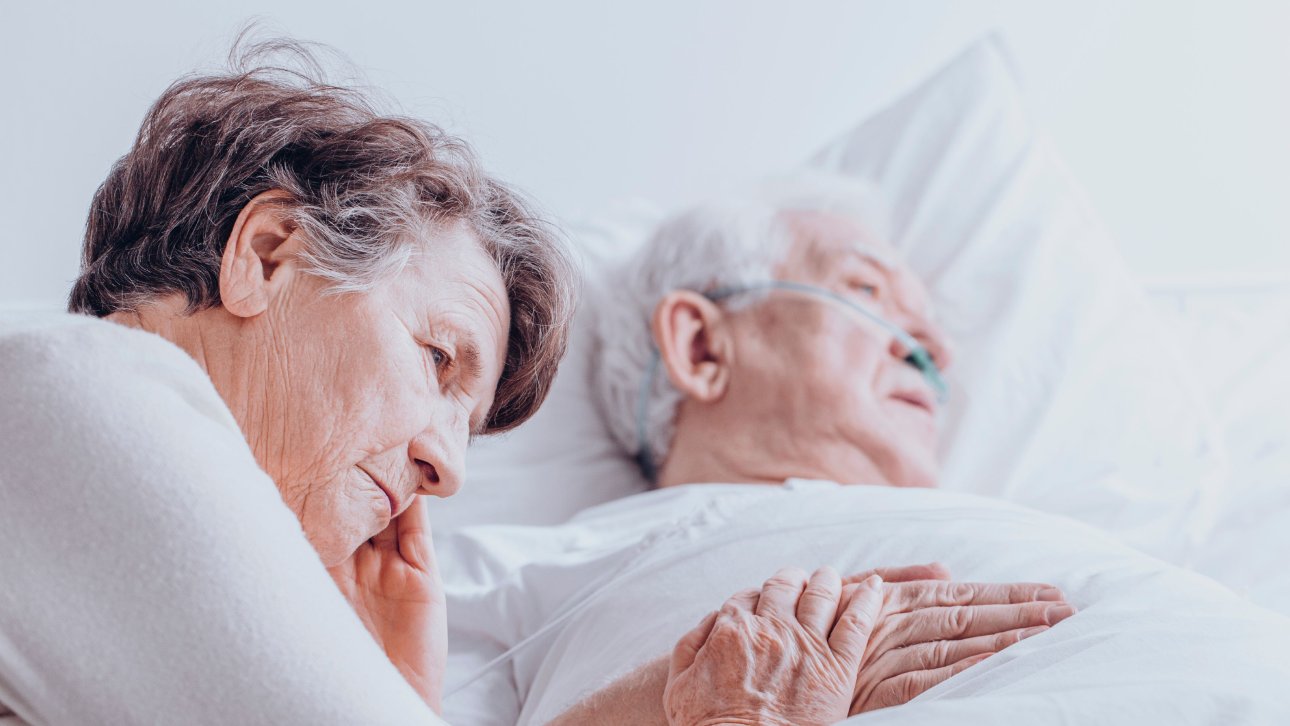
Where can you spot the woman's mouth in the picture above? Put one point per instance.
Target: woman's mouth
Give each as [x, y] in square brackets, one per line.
[394, 501]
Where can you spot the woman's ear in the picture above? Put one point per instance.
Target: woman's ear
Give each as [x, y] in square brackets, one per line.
[693, 344]
[260, 241]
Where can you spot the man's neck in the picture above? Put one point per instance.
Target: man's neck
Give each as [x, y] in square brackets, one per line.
[705, 451]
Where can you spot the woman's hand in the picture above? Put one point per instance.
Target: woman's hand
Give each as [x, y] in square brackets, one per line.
[929, 631]
[787, 654]
[392, 581]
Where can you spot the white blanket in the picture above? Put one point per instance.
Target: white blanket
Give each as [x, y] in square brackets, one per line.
[1152, 644]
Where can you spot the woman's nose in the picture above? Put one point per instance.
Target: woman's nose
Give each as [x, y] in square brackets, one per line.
[439, 457]
[438, 477]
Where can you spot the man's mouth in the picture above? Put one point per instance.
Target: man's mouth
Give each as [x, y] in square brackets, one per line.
[394, 500]
[917, 399]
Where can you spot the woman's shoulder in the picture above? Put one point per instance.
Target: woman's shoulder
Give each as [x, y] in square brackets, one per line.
[76, 364]
[106, 425]
[79, 346]
[99, 407]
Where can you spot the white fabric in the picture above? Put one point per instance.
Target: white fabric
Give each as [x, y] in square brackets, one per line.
[150, 571]
[1066, 396]
[1240, 341]
[1152, 643]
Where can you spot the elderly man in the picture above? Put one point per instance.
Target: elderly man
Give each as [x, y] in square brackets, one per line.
[773, 338]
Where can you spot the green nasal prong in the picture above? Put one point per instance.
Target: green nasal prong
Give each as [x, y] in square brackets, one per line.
[922, 360]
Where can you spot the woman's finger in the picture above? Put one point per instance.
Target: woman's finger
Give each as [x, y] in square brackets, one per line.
[818, 605]
[851, 633]
[966, 621]
[744, 600]
[941, 653]
[687, 648]
[909, 573]
[387, 540]
[907, 686]
[909, 596]
[415, 544]
[779, 595]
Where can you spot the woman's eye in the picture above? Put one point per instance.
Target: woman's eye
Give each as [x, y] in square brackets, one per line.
[440, 358]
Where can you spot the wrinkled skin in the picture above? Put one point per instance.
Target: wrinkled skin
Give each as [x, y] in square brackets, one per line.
[788, 654]
[931, 630]
[926, 629]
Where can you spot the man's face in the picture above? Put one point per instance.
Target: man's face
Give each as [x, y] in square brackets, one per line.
[820, 370]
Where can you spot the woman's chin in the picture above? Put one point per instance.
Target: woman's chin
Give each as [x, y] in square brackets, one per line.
[337, 545]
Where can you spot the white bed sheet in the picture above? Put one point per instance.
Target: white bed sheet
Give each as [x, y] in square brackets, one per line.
[1153, 643]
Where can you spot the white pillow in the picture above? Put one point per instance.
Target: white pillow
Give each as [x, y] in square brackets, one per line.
[1066, 396]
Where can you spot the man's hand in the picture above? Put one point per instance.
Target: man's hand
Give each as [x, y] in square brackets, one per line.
[636, 699]
[392, 581]
[787, 654]
[929, 631]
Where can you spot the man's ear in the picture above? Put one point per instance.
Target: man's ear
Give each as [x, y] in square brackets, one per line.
[693, 344]
[260, 241]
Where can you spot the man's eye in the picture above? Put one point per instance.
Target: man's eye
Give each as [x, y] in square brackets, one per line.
[863, 288]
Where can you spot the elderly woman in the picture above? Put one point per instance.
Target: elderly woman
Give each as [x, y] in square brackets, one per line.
[294, 301]
[292, 316]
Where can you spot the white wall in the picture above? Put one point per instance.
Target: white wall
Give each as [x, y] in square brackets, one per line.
[1175, 114]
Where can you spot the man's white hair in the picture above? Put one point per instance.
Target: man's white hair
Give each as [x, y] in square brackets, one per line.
[727, 242]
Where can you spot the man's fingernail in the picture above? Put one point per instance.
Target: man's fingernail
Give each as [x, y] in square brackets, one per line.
[1050, 594]
[1033, 631]
[1058, 613]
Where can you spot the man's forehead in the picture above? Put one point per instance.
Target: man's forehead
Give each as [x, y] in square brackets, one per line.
[822, 238]
[823, 242]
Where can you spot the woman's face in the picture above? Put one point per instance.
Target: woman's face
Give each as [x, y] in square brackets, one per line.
[358, 402]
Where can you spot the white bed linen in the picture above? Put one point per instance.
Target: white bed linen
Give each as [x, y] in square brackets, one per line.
[1152, 644]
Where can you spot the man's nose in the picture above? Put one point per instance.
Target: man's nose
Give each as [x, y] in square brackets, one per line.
[439, 454]
[927, 335]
